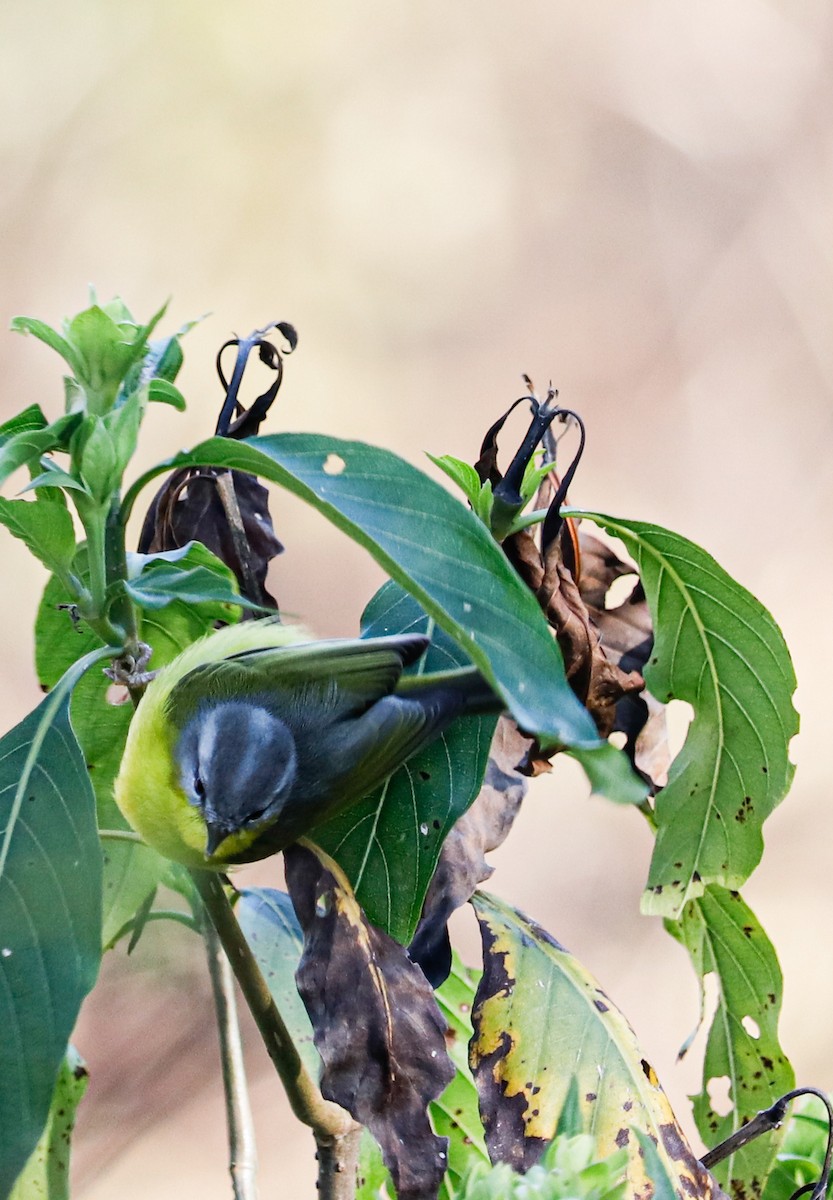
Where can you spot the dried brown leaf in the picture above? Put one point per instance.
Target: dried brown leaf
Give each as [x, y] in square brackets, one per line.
[626, 637]
[228, 511]
[377, 1026]
[598, 681]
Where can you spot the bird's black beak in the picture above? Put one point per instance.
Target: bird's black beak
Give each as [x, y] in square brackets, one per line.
[217, 834]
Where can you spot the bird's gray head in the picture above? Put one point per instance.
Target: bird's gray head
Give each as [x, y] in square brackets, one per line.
[237, 764]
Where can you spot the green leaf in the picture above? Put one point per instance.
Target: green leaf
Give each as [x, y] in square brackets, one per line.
[541, 1020]
[52, 476]
[192, 574]
[122, 423]
[461, 473]
[50, 913]
[27, 421]
[105, 350]
[28, 445]
[373, 1177]
[439, 552]
[456, 1114]
[725, 939]
[45, 333]
[159, 586]
[98, 459]
[568, 1173]
[802, 1150]
[534, 475]
[45, 526]
[388, 844]
[46, 1174]
[131, 871]
[656, 1169]
[271, 928]
[718, 648]
[163, 392]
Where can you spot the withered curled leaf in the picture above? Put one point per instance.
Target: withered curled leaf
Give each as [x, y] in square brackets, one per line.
[228, 511]
[626, 637]
[377, 1026]
[597, 681]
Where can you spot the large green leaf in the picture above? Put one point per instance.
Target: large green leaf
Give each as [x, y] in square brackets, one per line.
[540, 1020]
[724, 938]
[438, 551]
[50, 913]
[46, 1174]
[718, 648]
[271, 928]
[131, 872]
[389, 843]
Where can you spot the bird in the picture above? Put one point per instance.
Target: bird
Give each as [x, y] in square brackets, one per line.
[258, 732]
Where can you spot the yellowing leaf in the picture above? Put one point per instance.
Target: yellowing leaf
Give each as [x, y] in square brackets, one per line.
[540, 1020]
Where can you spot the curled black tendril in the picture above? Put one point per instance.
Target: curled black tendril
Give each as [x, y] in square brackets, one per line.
[767, 1120]
[544, 413]
[247, 420]
[553, 521]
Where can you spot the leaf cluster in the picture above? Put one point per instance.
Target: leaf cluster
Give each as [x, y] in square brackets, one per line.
[524, 1082]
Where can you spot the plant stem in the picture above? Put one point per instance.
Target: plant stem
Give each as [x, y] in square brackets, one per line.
[241, 1134]
[338, 1161]
[328, 1121]
[115, 558]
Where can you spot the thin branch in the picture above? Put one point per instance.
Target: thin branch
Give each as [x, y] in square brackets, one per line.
[327, 1120]
[241, 1134]
[338, 1162]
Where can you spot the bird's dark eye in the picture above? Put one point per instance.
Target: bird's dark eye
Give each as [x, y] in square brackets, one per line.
[199, 787]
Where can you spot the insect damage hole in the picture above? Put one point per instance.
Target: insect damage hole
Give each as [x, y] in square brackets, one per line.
[751, 1026]
[620, 590]
[678, 717]
[719, 1088]
[334, 464]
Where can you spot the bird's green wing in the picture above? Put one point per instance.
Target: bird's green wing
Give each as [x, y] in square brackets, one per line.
[362, 670]
[382, 739]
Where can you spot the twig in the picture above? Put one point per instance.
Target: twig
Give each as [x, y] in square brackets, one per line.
[241, 1134]
[329, 1122]
[338, 1161]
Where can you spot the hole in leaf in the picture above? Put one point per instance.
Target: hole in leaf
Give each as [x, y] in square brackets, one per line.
[751, 1026]
[334, 464]
[619, 590]
[618, 739]
[678, 717]
[719, 1089]
[117, 694]
[711, 999]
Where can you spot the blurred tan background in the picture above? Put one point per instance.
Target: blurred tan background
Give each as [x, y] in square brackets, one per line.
[631, 198]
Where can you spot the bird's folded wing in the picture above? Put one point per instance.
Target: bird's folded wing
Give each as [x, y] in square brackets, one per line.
[380, 742]
[363, 670]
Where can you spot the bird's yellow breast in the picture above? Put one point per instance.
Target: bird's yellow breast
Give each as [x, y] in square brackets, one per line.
[147, 789]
